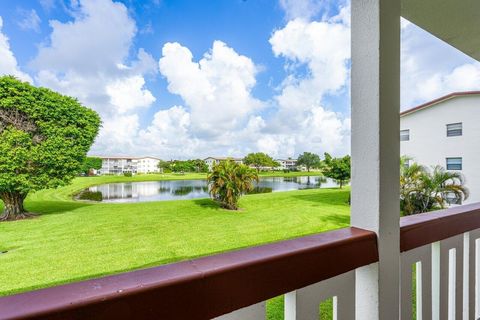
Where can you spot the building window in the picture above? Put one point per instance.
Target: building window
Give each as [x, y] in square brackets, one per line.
[405, 135]
[454, 163]
[454, 129]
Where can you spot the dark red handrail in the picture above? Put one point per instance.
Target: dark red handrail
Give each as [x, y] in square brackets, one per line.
[421, 229]
[202, 288]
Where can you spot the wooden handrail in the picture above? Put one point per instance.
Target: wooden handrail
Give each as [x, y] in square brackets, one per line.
[202, 288]
[421, 229]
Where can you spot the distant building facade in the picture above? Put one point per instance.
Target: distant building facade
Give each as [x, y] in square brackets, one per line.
[446, 132]
[287, 164]
[148, 165]
[121, 165]
[210, 161]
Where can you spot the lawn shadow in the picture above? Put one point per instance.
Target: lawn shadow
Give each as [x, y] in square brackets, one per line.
[341, 220]
[206, 203]
[54, 207]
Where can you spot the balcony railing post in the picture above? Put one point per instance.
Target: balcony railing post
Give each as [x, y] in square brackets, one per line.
[376, 150]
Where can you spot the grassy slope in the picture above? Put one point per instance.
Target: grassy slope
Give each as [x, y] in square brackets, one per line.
[73, 241]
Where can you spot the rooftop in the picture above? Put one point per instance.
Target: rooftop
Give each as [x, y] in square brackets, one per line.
[438, 100]
[126, 157]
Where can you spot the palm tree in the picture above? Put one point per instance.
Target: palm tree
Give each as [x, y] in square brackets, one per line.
[422, 190]
[410, 187]
[441, 183]
[228, 181]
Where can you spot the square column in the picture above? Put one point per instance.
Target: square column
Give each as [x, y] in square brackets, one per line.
[376, 151]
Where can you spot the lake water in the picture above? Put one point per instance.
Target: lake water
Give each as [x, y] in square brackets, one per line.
[194, 189]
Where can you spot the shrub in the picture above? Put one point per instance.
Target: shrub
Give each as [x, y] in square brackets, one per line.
[228, 181]
[423, 190]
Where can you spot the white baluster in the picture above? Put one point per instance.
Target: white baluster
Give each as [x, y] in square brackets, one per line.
[436, 281]
[473, 274]
[290, 306]
[422, 258]
[451, 278]
[303, 304]
[466, 275]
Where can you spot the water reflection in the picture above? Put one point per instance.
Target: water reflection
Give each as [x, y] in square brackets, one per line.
[193, 189]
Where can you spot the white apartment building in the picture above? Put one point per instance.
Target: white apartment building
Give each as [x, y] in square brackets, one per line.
[148, 165]
[210, 161]
[287, 164]
[121, 165]
[446, 132]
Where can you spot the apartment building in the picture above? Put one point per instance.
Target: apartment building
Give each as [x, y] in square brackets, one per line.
[121, 165]
[210, 161]
[446, 132]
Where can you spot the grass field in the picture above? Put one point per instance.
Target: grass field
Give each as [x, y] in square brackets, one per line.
[71, 241]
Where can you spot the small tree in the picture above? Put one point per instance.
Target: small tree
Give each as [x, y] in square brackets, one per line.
[309, 160]
[228, 181]
[164, 166]
[44, 138]
[91, 163]
[259, 160]
[337, 169]
[199, 165]
[423, 189]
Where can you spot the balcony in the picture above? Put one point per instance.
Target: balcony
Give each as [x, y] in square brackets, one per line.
[366, 268]
[443, 245]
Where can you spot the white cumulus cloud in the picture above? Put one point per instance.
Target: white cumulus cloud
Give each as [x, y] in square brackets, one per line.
[88, 58]
[216, 89]
[431, 68]
[169, 133]
[304, 9]
[8, 62]
[129, 94]
[324, 47]
[317, 56]
[98, 38]
[118, 136]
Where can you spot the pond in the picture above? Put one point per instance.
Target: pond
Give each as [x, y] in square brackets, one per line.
[192, 189]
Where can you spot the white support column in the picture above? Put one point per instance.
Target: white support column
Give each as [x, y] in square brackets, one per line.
[376, 150]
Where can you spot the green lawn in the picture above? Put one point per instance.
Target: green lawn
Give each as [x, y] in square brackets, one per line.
[70, 241]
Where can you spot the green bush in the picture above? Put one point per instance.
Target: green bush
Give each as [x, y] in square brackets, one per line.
[128, 174]
[228, 181]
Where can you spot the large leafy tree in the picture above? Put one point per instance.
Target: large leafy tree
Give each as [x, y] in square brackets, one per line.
[337, 169]
[423, 189]
[228, 181]
[309, 160]
[259, 160]
[44, 138]
[91, 163]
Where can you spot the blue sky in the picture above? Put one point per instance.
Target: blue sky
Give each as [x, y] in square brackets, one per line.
[183, 78]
